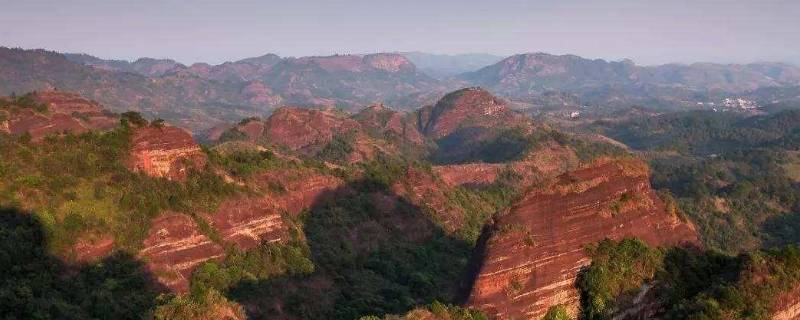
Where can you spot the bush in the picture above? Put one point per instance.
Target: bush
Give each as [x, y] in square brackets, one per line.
[557, 312]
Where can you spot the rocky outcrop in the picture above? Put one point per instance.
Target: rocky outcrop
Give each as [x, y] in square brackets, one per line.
[165, 151]
[174, 247]
[91, 248]
[787, 305]
[55, 112]
[306, 129]
[535, 250]
[381, 120]
[539, 165]
[389, 62]
[470, 108]
[299, 189]
[424, 189]
[247, 222]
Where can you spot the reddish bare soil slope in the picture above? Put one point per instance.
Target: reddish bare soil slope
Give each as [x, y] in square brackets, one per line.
[535, 251]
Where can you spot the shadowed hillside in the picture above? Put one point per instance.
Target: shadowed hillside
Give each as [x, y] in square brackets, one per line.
[36, 285]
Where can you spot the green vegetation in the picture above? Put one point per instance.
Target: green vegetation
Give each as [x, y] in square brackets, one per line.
[337, 150]
[78, 185]
[438, 311]
[692, 284]
[496, 146]
[35, 286]
[557, 312]
[208, 305]
[728, 173]
[27, 101]
[617, 269]
[368, 260]
[244, 163]
[263, 262]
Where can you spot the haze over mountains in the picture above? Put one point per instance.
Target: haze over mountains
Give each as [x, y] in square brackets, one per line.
[201, 95]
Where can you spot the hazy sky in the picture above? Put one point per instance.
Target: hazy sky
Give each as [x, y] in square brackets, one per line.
[646, 31]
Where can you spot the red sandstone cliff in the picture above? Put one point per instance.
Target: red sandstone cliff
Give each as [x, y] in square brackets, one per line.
[165, 151]
[174, 247]
[535, 250]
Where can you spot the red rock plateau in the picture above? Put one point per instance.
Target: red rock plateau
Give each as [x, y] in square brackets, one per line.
[63, 112]
[470, 108]
[165, 151]
[536, 249]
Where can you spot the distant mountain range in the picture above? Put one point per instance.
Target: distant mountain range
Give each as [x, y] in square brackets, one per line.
[599, 82]
[202, 95]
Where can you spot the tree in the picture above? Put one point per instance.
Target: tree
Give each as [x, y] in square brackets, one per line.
[132, 118]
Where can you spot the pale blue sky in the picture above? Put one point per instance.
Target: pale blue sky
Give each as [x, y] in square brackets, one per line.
[646, 31]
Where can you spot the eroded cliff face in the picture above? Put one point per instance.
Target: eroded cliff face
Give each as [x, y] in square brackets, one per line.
[246, 222]
[165, 151]
[174, 247]
[535, 251]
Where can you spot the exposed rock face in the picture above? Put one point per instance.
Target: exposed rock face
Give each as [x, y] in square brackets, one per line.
[91, 249]
[390, 62]
[535, 251]
[65, 112]
[305, 129]
[787, 306]
[426, 190]
[247, 222]
[472, 125]
[384, 121]
[165, 152]
[541, 164]
[175, 247]
[469, 108]
[301, 189]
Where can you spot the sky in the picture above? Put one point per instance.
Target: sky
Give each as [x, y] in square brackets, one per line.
[646, 31]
